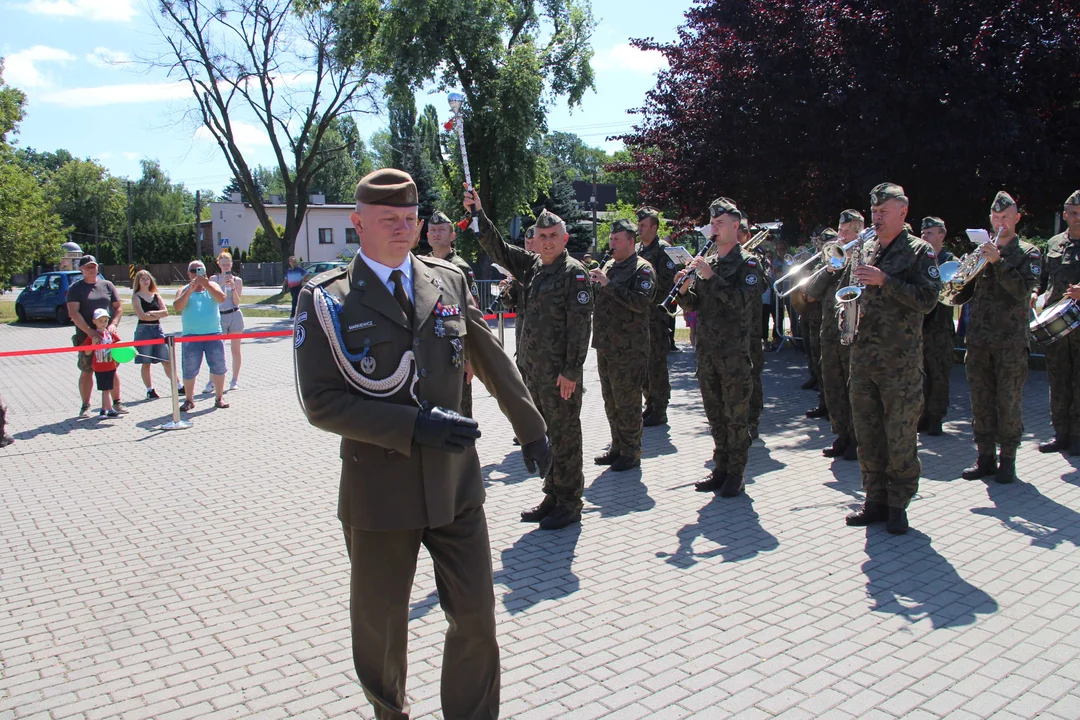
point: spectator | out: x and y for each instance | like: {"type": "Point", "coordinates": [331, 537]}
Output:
{"type": "Point", "coordinates": [150, 309]}
{"type": "Point", "coordinates": [83, 298]}
{"type": "Point", "coordinates": [198, 303]}
{"type": "Point", "coordinates": [232, 319]}
{"type": "Point", "coordinates": [294, 281]}
{"type": "Point", "coordinates": [5, 439]}
{"type": "Point", "coordinates": [102, 362]}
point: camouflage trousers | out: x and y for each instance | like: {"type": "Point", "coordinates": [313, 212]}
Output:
{"type": "Point", "coordinates": [566, 481]}
{"type": "Point", "coordinates": [621, 376]}
{"type": "Point", "coordinates": [886, 401]}
{"type": "Point", "coordinates": [757, 396]}
{"type": "Point", "coordinates": [996, 375]}
{"type": "Point", "coordinates": [835, 363]}
{"type": "Point", "coordinates": [657, 387]}
{"type": "Point", "coordinates": [3, 418]}
{"type": "Point", "coordinates": [812, 333]}
{"type": "Point", "coordinates": [938, 360]}
{"type": "Point", "coordinates": [726, 386]}
{"type": "Point", "coordinates": [1063, 373]}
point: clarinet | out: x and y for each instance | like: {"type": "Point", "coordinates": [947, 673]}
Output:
{"type": "Point", "coordinates": [496, 298]}
{"type": "Point", "coordinates": [671, 302]}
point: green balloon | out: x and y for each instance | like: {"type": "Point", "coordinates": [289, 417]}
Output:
{"type": "Point", "coordinates": [123, 354]}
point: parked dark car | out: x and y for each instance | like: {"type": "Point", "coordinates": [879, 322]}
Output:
{"type": "Point", "coordinates": [46, 297]}
{"type": "Point", "coordinates": [312, 269]}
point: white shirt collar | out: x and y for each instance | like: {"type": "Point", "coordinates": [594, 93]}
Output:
{"type": "Point", "coordinates": [384, 271]}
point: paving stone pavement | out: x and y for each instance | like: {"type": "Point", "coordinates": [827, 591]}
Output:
{"type": "Point", "coordinates": [202, 573]}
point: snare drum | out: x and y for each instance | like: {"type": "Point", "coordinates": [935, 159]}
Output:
{"type": "Point", "coordinates": [1056, 321]}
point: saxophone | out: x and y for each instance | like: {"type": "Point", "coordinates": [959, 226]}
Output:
{"type": "Point", "coordinates": [848, 307]}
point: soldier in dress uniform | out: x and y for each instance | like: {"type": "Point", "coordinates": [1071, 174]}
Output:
{"type": "Point", "coordinates": [939, 339]}
{"type": "Point", "coordinates": [997, 342]}
{"type": "Point", "coordinates": [555, 308]}
{"type": "Point", "coordinates": [1060, 278]}
{"type": "Point", "coordinates": [650, 248]}
{"type": "Point", "coordinates": [440, 232]}
{"type": "Point", "coordinates": [380, 350]}
{"type": "Point", "coordinates": [727, 285]}
{"type": "Point", "coordinates": [757, 338]}
{"type": "Point", "coordinates": [901, 284]}
{"type": "Point", "coordinates": [625, 288]}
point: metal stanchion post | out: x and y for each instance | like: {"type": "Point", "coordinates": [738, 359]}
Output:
{"type": "Point", "coordinates": [176, 423]}
{"type": "Point", "coordinates": [501, 324]}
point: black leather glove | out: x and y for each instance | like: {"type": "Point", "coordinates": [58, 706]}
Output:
{"type": "Point", "coordinates": [537, 454]}
{"type": "Point", "coordinates": [445, 430]}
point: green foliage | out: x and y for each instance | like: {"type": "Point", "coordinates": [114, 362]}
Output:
{"type": "Point", "coordinates": [346, 161]}
{"type": "Point", "coordinates": [627, 182]}
{"type": "Point", "coordinates": [263, 248]}
{"type": "Point", "coordinates": [12, 103]}
{"type": "Point", "coordinates": [29, 231]}
{"type": "Point", "coordinates": [156, 200]}
{"type": "Point", "coordinates": [162, 243]}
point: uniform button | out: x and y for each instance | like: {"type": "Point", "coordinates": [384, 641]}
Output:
{"type": "Point", "coordinates": [354, 459]}
{"type": "Point", "coordinates": [416, 342]}
{"type": "Point", "coordinates": [423, 372]}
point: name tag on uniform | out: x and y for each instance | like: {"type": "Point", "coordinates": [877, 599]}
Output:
{"type": "Point", "coordinates": [361, 326]}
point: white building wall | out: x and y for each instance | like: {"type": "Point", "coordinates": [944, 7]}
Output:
{"type": "Point", "coordinates": [236, 223]}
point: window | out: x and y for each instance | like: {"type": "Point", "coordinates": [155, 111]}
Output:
{"type": "Point", "coordinates": [351, 237]}
{"type": "Point", "coordinates": [326, 236]}
{"type": "Point", "coordinates": [54, 283]}
{"type": "Point", "coordinates": [38, 283]}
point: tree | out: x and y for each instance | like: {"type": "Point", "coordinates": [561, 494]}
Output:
{"type": "Point", "coordinates": [92, 203]}
{"type": "Point", "coordinates": [798, 109]}
{"type": "Point", "coordinates": [263, 248]}
{"type": "Point", "coordinates": [511, 60]}
{"type": "Point", "coordinates": [271, 62]}
{"type": "Point", "coordinates": [155, 200]}
{"type": "Point", "coordinates": [338, 177]}
{"type": "Point", "coordinates": [12, 102]}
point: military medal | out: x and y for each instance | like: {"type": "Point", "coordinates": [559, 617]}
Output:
{"type": "Point", "coordinates": [459, 353]}
{"type": "Point", "coordinates": [440, 330]}
{"type": "Point", "coordinates": [367, 365]}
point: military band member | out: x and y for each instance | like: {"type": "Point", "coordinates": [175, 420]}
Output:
{"type": "Point", "coordinates": [901, 284]}
{"type": "Point", "coordinates": [657, 389]}
{"type": "Point", "coordinates": [440, 233]}
{"type": "Point", "coordinates": [757, 338]}
{"type": "Point", "coordinates": [555, 309]}
{"type": "Point", "coordinates": [835, 356]}
{"type": "Point", "coordinates": [1060, 278]}
{"type": "Point", "coordinates": [624, 291]}
{"type": "Point", "coordinates": [997, 342]}
{"type": "Point", "coordinates": [939, 339]}
{"type": "Point", "coordinates": [810, 328]}
{"type": "Point", "coordinates": [410, 475]}
{"type": "Point", "coordinates": [727, 285]}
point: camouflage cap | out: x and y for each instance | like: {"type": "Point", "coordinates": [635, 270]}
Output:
{"type": "Point", "coordinates": [1073, 199]}
{"type": "Point", "coordinates": [1002, 201]}
{"type": "Point", "coordinates": [646, 211]}
{"type": "Point", "coordinates": [724, 206]}
{"type": "Point", "coordinates": [547, 219]}
{"type": "Point", "coordinates": [623, 225]}
{"type": "Point", "coordinates": [439, 218]}
{"type": "Point", "coordinates": [530, 232]}
{"type": "Point", "coordinates": [828, 234]}
{"type": "Point", "coordinates": [744, 225]}
{"type": "Point", "coordinates": [388, 186]}
{"type": "Point", "coordinates": [932, 222]}
{"type": "Point", "coordinates": [886, 191]}
{"type": "Point", "coordinates": [850, 215]}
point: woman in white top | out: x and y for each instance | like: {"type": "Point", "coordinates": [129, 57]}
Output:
{"type": "Point", "coordinates": [232, 319]}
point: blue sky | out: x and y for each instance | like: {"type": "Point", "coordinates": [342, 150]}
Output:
{"type": "Point", "coordinates": [78, 62]}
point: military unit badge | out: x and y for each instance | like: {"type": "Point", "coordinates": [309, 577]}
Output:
{"type": "Point", "coordinates": [933, 272]}
{"type": "Point", "coordinates": [583, 297]}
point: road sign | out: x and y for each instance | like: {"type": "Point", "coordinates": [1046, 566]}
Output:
{"type": "Point", "coordinates": [224, 242]}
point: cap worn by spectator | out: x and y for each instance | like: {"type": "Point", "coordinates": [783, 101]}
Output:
{"type": "Point", "coordinates": [87, 260]}
{"type": "Point", "coordinates": [101, 313]}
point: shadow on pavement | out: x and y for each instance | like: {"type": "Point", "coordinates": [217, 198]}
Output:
{"type": "Point", "coordinates": [511, 465]}
{"type": "Point", "coordinates": [1022, 508]}
{"type": "Point", "coordinates": [730, 523]}
{"type": "Point", "coordinates": [538, 567]}
{"type": "Point", "coordinates": [619, 493]}
{"type": "Point", "coordinates": [905, 576]}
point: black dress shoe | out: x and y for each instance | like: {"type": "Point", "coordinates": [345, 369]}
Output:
{"type": "Point", "coordinates": [733, 485]}
{"type": "Point", "coordinates": [625, 463]}
{"type": "Point", "coordinates": [559, 518]}
{"type": "Point", "coordinates": [809, 384]}
{"type": "Point", "coordinates": [516, 441]}
{"type": "Point", "coordinates": [837, 448]}
{"type": "Point", "coordinates": [897, 523]}
{"type": "Point", "coordinates": [541, 511]}
{"type": "Point", "coordinates": [851, 452]}
{"type": "Point", "coordinates": [870, 512]}
{"type": "Point", "coordinates": [934, 429]}
{"type": "Point", "coordinates": [1006, 470]}
{"type": "Point", "coordinates": [1054, 444]}
{"type": "Point", "coordinates": [609, 456]}
{"type": "Point", "coordinates": [712, 483]}
{"type": "Point", "coordinates": [819, 412]}
{"type": "Point", "coordinates": [654, 418]}
{"type": "Point", "coordinates": [984, 465]}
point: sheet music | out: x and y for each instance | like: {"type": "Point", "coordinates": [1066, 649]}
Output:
{"type": "Point", "coordinates": [978, 235]}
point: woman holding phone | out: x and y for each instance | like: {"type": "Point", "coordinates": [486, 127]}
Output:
{"type": "Point", "coordinates": [232, 318]}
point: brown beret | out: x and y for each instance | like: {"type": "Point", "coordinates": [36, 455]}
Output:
{"type": "Point", "coordinates": [388, 186]}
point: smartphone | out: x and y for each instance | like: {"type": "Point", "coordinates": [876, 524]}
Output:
{"type": "Point", "coordinates": [201, 272]}
{"type": "Point", "coordinates": [228, 275]}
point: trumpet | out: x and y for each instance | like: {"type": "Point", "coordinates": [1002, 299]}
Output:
{"type": "Point", "coordinates": [753, 243]}
{"type": "Point", "coordinates": [836, 256]}
{"type": "Point", "coordinates": [790, 260]}
{"type": "Point", "coordinates": [672, 300]}
{"type": "Point", "coordinates": [848, 311]}
{"type": "Point", "coordinates": [956, 276]}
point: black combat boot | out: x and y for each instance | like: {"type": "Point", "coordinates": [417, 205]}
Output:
{"type": "Point", "coordinates": [870, 512]}
{"type": "Point", "coordinates": [1006, 472]}
{"type": "Point", "coordinates": [560, 517]}
{"type": "Point", "coordinates": [714, 482]}
{"type": "Point", "coordinates": [624, 462]}
{"type": "Point", "coordinates": [646, 412]}
{"type": "Point", "coordinates": [541, 511]}
{"type": "Point", "coordinates": [984, 465]}
{"type": "Point", "coordinates": [819, 412]}
{"type": "Point", "coordinates": [1074, 445]}
{"type": "Point", "coordinates": [655, 418]}
{"type": "Point", "coordinates": [733, 486]}
{"type": "Point", "coordinates": [924, 422]}
{"type": "Point", "coordinates": [754, 434]}
{"type": "Point", "coordinates": [933, 427]}
{"type": "Point", "coordinates": [851, 453]}
{"type": "Point", "coordinates": [609, 456]}
{"type": "Point", "coordinates": [897, 524]}
{"type": "Point", "coordinates": [809, 384]}
{"type": "Point", "coordinates": [1059, 442]}
{"type": "Point", "coordinates": [837, 449]}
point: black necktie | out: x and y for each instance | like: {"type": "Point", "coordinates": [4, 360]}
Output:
{"type": "Point", "coordinates": [398, 278]}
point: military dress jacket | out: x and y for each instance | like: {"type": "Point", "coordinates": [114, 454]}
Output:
{"type": "Point", "coordinates": [1060, 268]}
{"type": "Point", "coordinates": [939, 321]}
{"type": "Point", "coordinates": [890, 329]}
{"type": "Point", "coordinates": [554, 311]}
{"type": "Point", "coordinates": [388, 482]}
{"type": "Point", "coordinates": [724, 302]}
{"type": "Point", "coordinates": [623, 307]}
{"type": "Point", "coordinates": [1000, 296]}
{"type": "Point", "coordinates": [463, 265]}
{"type": "Point", "coordinates": [665, 269]}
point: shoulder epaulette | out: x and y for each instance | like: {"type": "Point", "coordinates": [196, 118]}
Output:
{"type": "Point", "coordinates": [325, 278]}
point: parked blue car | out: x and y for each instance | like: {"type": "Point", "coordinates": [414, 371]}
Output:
{"type": "Point", "coordinates": [46, 297]}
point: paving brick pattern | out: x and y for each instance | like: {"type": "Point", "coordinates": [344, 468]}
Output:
{"type": "Point", "coordinates": [202, 573]}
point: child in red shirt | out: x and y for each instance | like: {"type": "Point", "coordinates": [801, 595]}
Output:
{"type": "Point", "coordinates": [102, 362]}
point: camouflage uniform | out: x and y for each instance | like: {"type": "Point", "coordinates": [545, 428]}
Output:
{"type": "Point", "coordinates": [621, 339]}
{"type": "Point", "coordinates": [757, 359]}
{"type": "Point", "coordinates": [3, 421]}
{"type": "Point", "coordinates": [997, 346]}
{"type": "Point", "coordinates": [886, 366]}
{"type": "Point", "coordinates": [810, 327]}
{"type": "Point", "coordinates": [1061, 269]}
{"type": "Point", "coordinates": [939, 339]}
{"type": "Point", "coordinates": [554, 314]}
{"type": "Point", "coordinates": [657, 389]}
{"type": "Point", "coordinates": [724, 306]}
{"type": "Point", "coordinates": [835, 357]}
